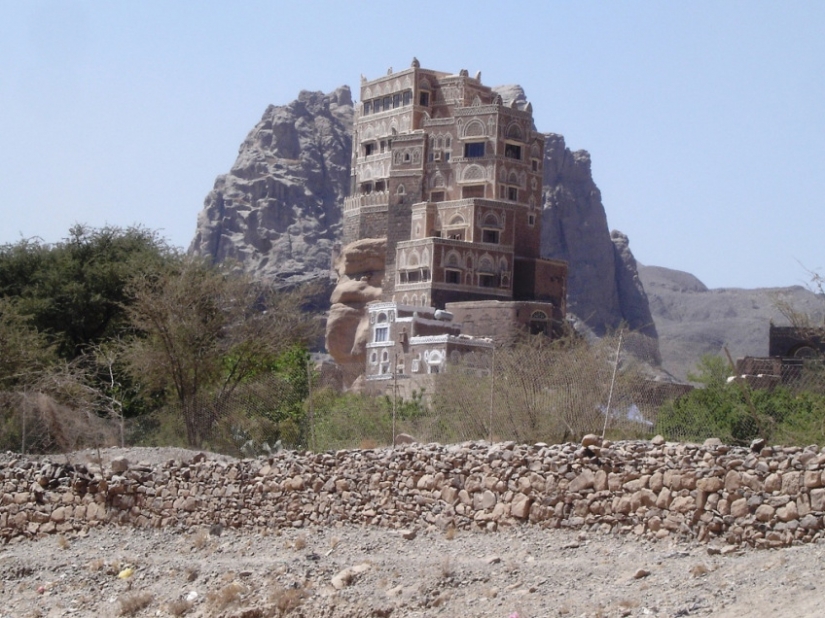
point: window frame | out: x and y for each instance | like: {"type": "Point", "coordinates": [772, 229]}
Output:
{"type": "Point", "coordinates": [511, 149]}
{"type": "Point", "coordinates": [452, 276]}
{"type": "Point", "coordinates": [471, 150]}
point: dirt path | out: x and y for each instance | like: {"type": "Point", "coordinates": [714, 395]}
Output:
{"type": "Point", "coordinates": [523, 570]}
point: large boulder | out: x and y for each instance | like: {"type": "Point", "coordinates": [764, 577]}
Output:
{"type": "Point", "coordinates": [360, 270]}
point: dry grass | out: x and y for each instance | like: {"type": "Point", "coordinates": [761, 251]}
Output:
{"type": "Point", "coordinates": [286, 600]}
{"type": "Point", "coordinates": [62, 542]}
{"type": "Point", "coordinates": [228, 577]}
{"type": "Point", "coordinates": [201, 539]}
{"type": "Point", "coordinates": [97, 564]}
{"type": "Point", "coordinates": [179, 607]}
{"type": "Point", "coordinates": [446, 567]}
{"type": "Point", "coordinates": [132, 602]}
{"type": "Point", "coordinates": [699, 570]}
{"type": "Point", "coordinates": [227, 595]}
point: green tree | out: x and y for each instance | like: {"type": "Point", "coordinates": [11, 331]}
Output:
{"type": "Point", "coordinates": [203, 332]}
{"type": "Point", "coordinates": [25, 353]}
{"type": "Point", "coordinates": [75, 290]}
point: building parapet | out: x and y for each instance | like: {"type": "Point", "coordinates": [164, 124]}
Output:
{"type": "Point", "coordinates": [376, 198]}
{"type": "Point", "coordinates": [438, 122]}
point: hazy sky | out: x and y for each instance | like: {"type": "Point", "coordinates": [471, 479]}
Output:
{"type": "Point", "coordinates": [705, 121]}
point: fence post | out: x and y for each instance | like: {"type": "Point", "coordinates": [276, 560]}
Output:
{"type": "Point", "coordinates": [612, 384]}
{"type": "Point", "coordinates": [492, 389]}
{"type": "Point", "coordinates": [311, 407]}
{"type": "Point", "coordinates": [23, 426]}
{"type": "Point", "coordinates": [394, 393]}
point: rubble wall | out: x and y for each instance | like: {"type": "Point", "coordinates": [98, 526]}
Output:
{"type": "Point", "coordinates": [767, 499]}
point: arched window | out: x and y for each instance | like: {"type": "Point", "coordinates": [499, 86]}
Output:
{"type": "Point", "coordinates": [435, 361]}
{"type": "Point", "coordinates": [490, 232]}
{"type": "Point", "coordinates": [474, 128]}
{"type": "Point", "coordinates": [539, 323]}
{"type": "Point", "coordinates": [514, 132]}
{"type": "Point", "coordinates": [381, 332]}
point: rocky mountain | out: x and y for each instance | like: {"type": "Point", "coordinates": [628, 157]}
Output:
{"type": "Point", "coordinates": [278, 211]}
{"type": "Point", "coordinates": [693, 320]}
{"type": "Point", "coordinates": [604, 289]}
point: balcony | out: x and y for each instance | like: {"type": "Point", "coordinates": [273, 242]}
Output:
{"type": "Point", "coordinates": [374, 199]}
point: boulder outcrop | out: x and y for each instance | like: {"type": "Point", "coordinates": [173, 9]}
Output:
{"type": "Point", "coordinates": [360, 270]}
{"type": "Point", "coordinates": [278, 210]}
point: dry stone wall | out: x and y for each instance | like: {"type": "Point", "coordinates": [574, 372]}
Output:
{"type": "Point", "coordinates": [654, 489]}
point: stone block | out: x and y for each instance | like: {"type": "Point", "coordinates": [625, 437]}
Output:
{"type": "Point", "coordinates": [818, 499]}
{"type": "Point", "coordinates": [710, 484]}
{"type": "Point", "coordinates": [520, 506]}
{"type": "Point", "coordinates": [812, 479]}
{"type": "Point", "coordinates": [764, 513]}
{"type": "Point", "coordinates": [733, 481]}
{"type": "Point", "coordinates": [585, 480]}
{"type": "Point", "coordinates": [791, 482]}
{"type": "Point", "coordinates": [739, 508]}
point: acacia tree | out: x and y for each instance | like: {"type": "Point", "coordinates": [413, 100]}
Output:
{"type": "Point", "coordinates": [202, 332]}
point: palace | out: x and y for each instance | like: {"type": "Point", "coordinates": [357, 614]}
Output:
{"type": "Point", "coordinates": [451, 175]}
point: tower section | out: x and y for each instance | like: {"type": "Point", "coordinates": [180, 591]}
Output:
{"type": "Point", "coordinates": [451, 175]}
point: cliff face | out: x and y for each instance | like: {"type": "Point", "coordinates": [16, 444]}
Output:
{"type": "Point", "coordinates": [604, 289]}
{"type": "Point", "coordinates": [278, 210]}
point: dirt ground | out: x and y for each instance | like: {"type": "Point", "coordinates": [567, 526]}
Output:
{"type": "Point", "coordinates": [355, 571]}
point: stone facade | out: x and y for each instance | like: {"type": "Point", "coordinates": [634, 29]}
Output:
{"type": "Point", "coordinates": [452, 178]}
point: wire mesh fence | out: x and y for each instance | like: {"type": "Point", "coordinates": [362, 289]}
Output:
{"type": "Point", "coordinates": [542, 391]}
{"type": "Point", "coordinates": [535, 391]}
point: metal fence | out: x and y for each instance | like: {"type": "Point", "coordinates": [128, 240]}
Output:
{"type": "Point", "coordinates": [534, 391]}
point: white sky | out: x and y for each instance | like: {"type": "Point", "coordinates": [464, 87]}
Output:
{"type": "Point", "coordinates": [705, 120]}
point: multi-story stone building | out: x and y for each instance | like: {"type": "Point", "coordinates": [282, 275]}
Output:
{"type": "Point", "coordinates": [452, 177]}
